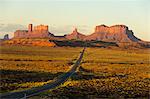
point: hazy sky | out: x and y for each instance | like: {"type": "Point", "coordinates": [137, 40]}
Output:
{"type": "Point", "coordinates": [64, 15]}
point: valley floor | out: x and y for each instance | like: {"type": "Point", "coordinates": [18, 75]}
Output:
{"type": "Point", "coordinates": [104, 73]}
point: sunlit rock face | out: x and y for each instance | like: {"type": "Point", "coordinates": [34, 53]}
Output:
{"type": "Point", "coordinates": [29, 42]}
{"type": "Point", "coordinates": [40, 31]}
{"type": "Point", "coordinates": [75, 35]}
{"type": "Point", "coordinates": [116, 33]}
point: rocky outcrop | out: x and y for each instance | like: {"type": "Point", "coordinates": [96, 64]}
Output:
{"type": "Point", "coordinates": [40, 31]}
{"type": "Point", "coordinates": [75, 35]}
{"type": "Point", "coordinates": [116, 33]}
{"type": "Point", "coordinates": [6, 37]}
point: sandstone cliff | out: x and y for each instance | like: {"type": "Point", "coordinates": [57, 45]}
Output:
{"type": "Point", "coordinates": [75, 35]}
{"type": "Point", "coordinates": [116, 33]}
{"type": "Point", "coordinates": [40, 31]}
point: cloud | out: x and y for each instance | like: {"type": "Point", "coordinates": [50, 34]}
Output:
{"type": "Point", "coordinates": [10, 29]}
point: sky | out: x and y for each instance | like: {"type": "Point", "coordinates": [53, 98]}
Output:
{"type": "Point", "coordinates": [62, 16]}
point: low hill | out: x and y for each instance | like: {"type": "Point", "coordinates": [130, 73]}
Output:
{"type": "Point", "coordinates": [28, 42]}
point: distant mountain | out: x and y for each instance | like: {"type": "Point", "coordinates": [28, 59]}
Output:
{"type": "Point", "coordinates": [75, 35]}
{"type": "Point", "coordinates": [116, 33]}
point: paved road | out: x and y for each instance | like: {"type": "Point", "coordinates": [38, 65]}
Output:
{"type": "Point", "coordinates": [34, 91]}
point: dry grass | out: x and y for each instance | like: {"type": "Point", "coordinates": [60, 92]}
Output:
{"type": "Point", "coordinates": [104, 73]}
{"type": "Point", "coordinates": [22, 64]}
{"type": "Point", "coordinates": [109, 73]}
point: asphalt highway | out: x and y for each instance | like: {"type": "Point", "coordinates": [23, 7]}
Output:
{"type": "Point", "coordinates": [36, 90]}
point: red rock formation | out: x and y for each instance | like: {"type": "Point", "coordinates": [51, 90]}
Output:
{"type": "Point", "coordinates": [30, 28]}
{"type": "Point", "coordinates": [40, 31]}
{"type": "Point", "coordinates": [75, 35]}
{"type": "Point", "coordinates": [41, 28]}
{"type": "Point", "coordinates": [116, 33]}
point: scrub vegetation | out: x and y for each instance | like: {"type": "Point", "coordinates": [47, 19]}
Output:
{"type": "Point", "coordinates": [103, 73]}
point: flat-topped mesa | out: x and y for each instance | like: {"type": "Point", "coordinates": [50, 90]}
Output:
{"type": "Point", "coordinates": [116, 33]}
{"type": "Point", "coordinates": [112, 29]}
{"type": "Point", "coordinates": [101, 28]}
{"type": "Point", "coordinates": [40, 31]}
{"type": "Point", "coordinates": [75, 35]}
{"type": "Point", "coordinates": [41, 28]}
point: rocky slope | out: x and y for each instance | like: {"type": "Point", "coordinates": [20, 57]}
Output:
{"type": "Point", "coordinates": [28, 42]}
{"type": "Point", "coordinates": [116, 33]}
{"type": "Point", "coordinates": [75, 35]}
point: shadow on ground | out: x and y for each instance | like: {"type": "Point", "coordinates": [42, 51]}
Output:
{"type": "Point", "coordinates": [11, 78]}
